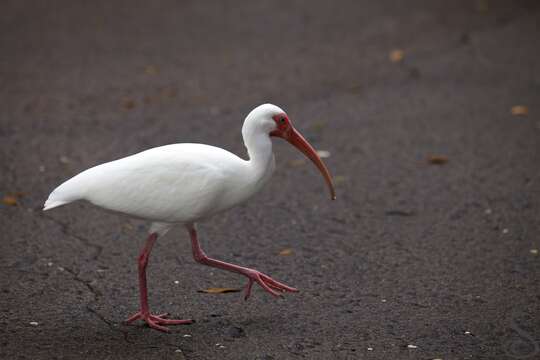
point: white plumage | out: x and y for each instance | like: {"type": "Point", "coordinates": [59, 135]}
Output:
{"type": "Point", "coordinates": [169, 184]}
{"type": "Point", "coordinates": [184, 183]}
{"type": "Point", "coordinates": [179, 183]}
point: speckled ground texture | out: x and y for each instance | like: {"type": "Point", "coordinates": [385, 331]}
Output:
{"type": "Point", "coordinates": [434, 256]}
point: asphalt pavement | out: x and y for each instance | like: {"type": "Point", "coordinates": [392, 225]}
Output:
{"type": "Point", "coordinates": [429, 112]}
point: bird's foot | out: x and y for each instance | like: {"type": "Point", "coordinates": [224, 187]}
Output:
{"type": "Point", "coordinates": [274, 287]}
{"type": "Point", "coordinates": [156, 321]}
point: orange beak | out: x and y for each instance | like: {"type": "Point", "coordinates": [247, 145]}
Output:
{"type": "Point", "coordinates": [297, 140]}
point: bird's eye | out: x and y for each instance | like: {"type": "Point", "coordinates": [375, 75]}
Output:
{"type": "Point", "coordinates": [282, 120]}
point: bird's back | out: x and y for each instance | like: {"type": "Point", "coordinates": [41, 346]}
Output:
{"type": "Point", "coordinates": [172, 183]}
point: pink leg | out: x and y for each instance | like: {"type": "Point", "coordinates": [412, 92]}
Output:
{"type": "Point", "coordinates": [154, 321]}
{"type": "Point", "coordinates": [265, 281]}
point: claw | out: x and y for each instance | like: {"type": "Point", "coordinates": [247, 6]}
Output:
{"type": "Point", "coordinates": [267, 283]}
{"type": "Point", "coordinates": [154, 321]}
{"type": "Point", "coordinates": [278, 285]}
{"type": "Point", "coordinates": [248, 289]}
{"type": "Point", "coordinates": [154, 325]}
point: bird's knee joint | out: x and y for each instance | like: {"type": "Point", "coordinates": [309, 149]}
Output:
{"type": "Point", "coordinates": [200, 257]}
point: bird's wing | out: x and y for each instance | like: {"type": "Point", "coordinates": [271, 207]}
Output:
{"type": "Point", "coordinates": [176, 183]}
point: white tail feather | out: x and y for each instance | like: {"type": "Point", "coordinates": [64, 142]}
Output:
{"type": "Point", "coordinates": [51, 204]}
{"type": "Point", "coordinates": [67, 192]}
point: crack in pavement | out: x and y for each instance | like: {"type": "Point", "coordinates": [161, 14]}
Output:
{"type": "Point", "coordinates": [98, 249]}
{"type": "Point", "coordinates": [109, 323]}
{"type": "Point", "coordinates": [86, 283]}
{"type": "Point", "coordinates": [96, 293]}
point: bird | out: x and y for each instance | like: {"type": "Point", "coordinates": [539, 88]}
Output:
{"type": "Point", "coordinates": [183, 184]}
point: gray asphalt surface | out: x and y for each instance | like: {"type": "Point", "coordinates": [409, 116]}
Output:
{"type": "Point", "coordinates": [440, 257]}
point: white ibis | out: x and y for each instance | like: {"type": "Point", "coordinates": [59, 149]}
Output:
{"type": "Point", "coordinates": [185, 183]}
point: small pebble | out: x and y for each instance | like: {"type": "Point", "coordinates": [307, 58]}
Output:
{"type": "Point", "coordinates": [49, 263]}
{"type": "Point", "coordinates": [41, 168]}
{"type": "Point", "coordinates": [187, 335]}
{"type": "Point", "coordinates": [64, 159]}
{"type": "Point", "coordinates": [34, 323]}
{"type": "Point", "coordinates": [410, 346]}
{"type": "Point", "coordinates": [505, 231]}
{"type": "Point", "coordinates": [369, 349]}
{"type": "Point", "coordinates": [383, 300]}
{"type": "Point", "coordinates": [60, 268]}
{"type": "Point", "coordinates": [178, 350]}
{"type": "Point", "coordinates": [534, 251]}
{"type": "Point", "coordinates": [323, 154]}
{"type": "Point", "coordinates": [176, 282]}
{"type": "Point", "coordinates": [488, 211]}
{"type": "Point", "coordinates": [467, 333]}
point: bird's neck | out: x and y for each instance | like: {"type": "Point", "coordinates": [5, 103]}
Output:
{"type": "Point", "coordinates": [261, 157]}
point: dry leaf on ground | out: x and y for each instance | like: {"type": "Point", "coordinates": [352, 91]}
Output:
{"type": "Point", "coordinates": [12, 199]}
{"type": "Point", "coordinates": [437, 159]}
{"type": "Point", "coordinates": [339, 179]}
{"type": "Point", "coordinates": [482, 6]}
{"type": "Point", "coordinates": [9, 200]}
{"type": "Point", "coordinates": [396, 55]}
{"type": "Point", "coordinates": [520, 110]}
{"type": "Point", "coordinates": [219, 290]}
{"type": "Point", "coordinates": [150, 70]}
{"type": "Point", "coordinates": [128, 104]}
{"type": "Point", "coordinates": [286, 252]}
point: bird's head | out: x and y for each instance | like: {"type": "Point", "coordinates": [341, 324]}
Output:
{"type": "Point", "coordinates": [273, 121]}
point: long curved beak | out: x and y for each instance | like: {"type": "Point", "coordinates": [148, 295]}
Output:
{"type": "Point", "coordinates": [298, 141]}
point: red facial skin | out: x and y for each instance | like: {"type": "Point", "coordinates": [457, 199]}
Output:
{"type": "Point", "coordinates": [286, 131]}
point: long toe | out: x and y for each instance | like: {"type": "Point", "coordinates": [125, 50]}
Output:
{"type": "Point", "coordinates": [134, 317]}
{"type": "Point", "coordinates": [278, 285]}
{"type": "Point", "coordinates": [272, 286]}
{"type": "Point", "coordinates": [154, 325]}
{"type": "Point", "coordinates": [160, 319]}
{"type": "Point", "coordinates": [155, 321]}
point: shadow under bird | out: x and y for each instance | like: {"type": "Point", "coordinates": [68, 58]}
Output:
{"type": "Point", "coordinates": [184, 184]}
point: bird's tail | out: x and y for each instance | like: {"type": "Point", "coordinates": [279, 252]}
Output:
{"type": "Point", "coordinates": [51, 203]}
{"type": "Point", "coordinates": [67, 192]}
